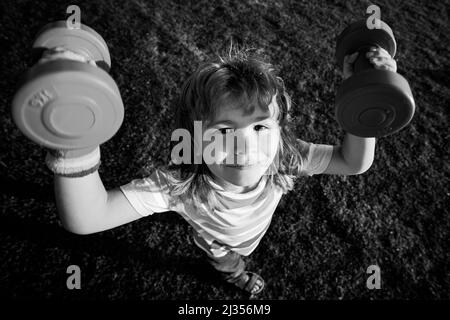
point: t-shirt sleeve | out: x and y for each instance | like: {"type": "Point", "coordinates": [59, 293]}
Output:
{"type": "Point", "coordinates": [148, 195]}
{"type": "Point", "coordinates": [317, 157]}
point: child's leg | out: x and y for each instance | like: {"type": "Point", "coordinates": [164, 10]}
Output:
{"type": "Point", "coordinates": [230, 265]}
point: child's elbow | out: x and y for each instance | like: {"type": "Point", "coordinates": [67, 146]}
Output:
{"type": "Point", "coordinates": [361, 171]}
{"type": "Point", "coordinates": [362, 168]}
{"type": "Point", "coordinates": [77, 229]}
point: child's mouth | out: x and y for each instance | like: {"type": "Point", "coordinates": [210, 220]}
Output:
{"type": "Point", "coordinates": [241, 167]}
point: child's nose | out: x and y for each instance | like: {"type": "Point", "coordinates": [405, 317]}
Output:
{"type": "Point", "coordinates": [245, 146]}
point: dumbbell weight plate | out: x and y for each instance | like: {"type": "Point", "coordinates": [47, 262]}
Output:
{"type": "Point", "coordinates": [375, 105]}
{"type": "Point", "coordinates": [65, 104]}
{"type": "Point", "coordinates": [85, 41]}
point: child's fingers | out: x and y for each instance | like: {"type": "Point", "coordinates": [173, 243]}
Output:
{"type": "Point", "coordinates": [381, 59]}
{"type": "Point", "coordinates": [390, 65]}
{"type": "Point", "coordinates": [351, 58]}
{"type": "Point", "coordinates": [348, 64]}
{"type": "Point", "coordinates": [377, 52]}
{"type": "Point", "coordinates": [384, 63]}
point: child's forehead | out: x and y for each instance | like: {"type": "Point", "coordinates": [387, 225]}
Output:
{"type": "Point", "coordinates": [236, 112]}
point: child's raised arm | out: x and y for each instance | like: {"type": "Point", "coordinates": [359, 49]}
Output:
{"type": "Point", "coordinates": [85, 207]}
{"type": "Point", "coordinates": [356, 154]}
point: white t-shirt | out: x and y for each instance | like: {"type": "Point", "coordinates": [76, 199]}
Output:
{"type": "Point", "coordinates": [241, 219]}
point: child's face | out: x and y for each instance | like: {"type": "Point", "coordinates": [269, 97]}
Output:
{"type": "Point", "coordinates": [242, 164]}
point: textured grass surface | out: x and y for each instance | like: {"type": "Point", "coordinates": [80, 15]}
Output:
{"type": "Point", "coordinates": [324, 234]}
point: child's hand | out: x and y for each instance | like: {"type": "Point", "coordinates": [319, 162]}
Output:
{"type": "Point", "coordinates": [380, 58]}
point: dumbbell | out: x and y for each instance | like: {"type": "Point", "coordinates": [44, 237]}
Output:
{"type": "Point", "coordinates": [65, 104]}
{"type": "Point", "coordinates": [371, 103]}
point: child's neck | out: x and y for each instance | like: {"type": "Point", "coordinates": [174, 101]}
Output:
{"type": "Point", "coordinates": [227, 186]}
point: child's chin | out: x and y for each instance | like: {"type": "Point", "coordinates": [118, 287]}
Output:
{"type": "Point", "coordinates": [244, 179]}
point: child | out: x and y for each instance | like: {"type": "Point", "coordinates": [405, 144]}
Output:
{"type": "Point", "coordinates": [229, 205]}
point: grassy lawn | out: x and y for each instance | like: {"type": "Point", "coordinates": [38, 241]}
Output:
{"type": "Point", "coordinates": [324, 234]}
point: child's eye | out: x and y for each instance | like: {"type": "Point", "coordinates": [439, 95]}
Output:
{"type": "Point", "coordinates": [225, 130]}
{"type": "Point", "coordinates": [260, 127]}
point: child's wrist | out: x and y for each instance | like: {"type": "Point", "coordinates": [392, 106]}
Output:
{"type": "Point", "coordinates": [70, 164]}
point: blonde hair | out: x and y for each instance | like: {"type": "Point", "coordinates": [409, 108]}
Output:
{"type": "Point", "coordinates": [240, 76]}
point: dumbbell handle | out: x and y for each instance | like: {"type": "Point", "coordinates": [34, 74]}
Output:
{"type": "Point", "coordinates": [73, 153]}
{"type": "Point", "coordinates": [362, 62]}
